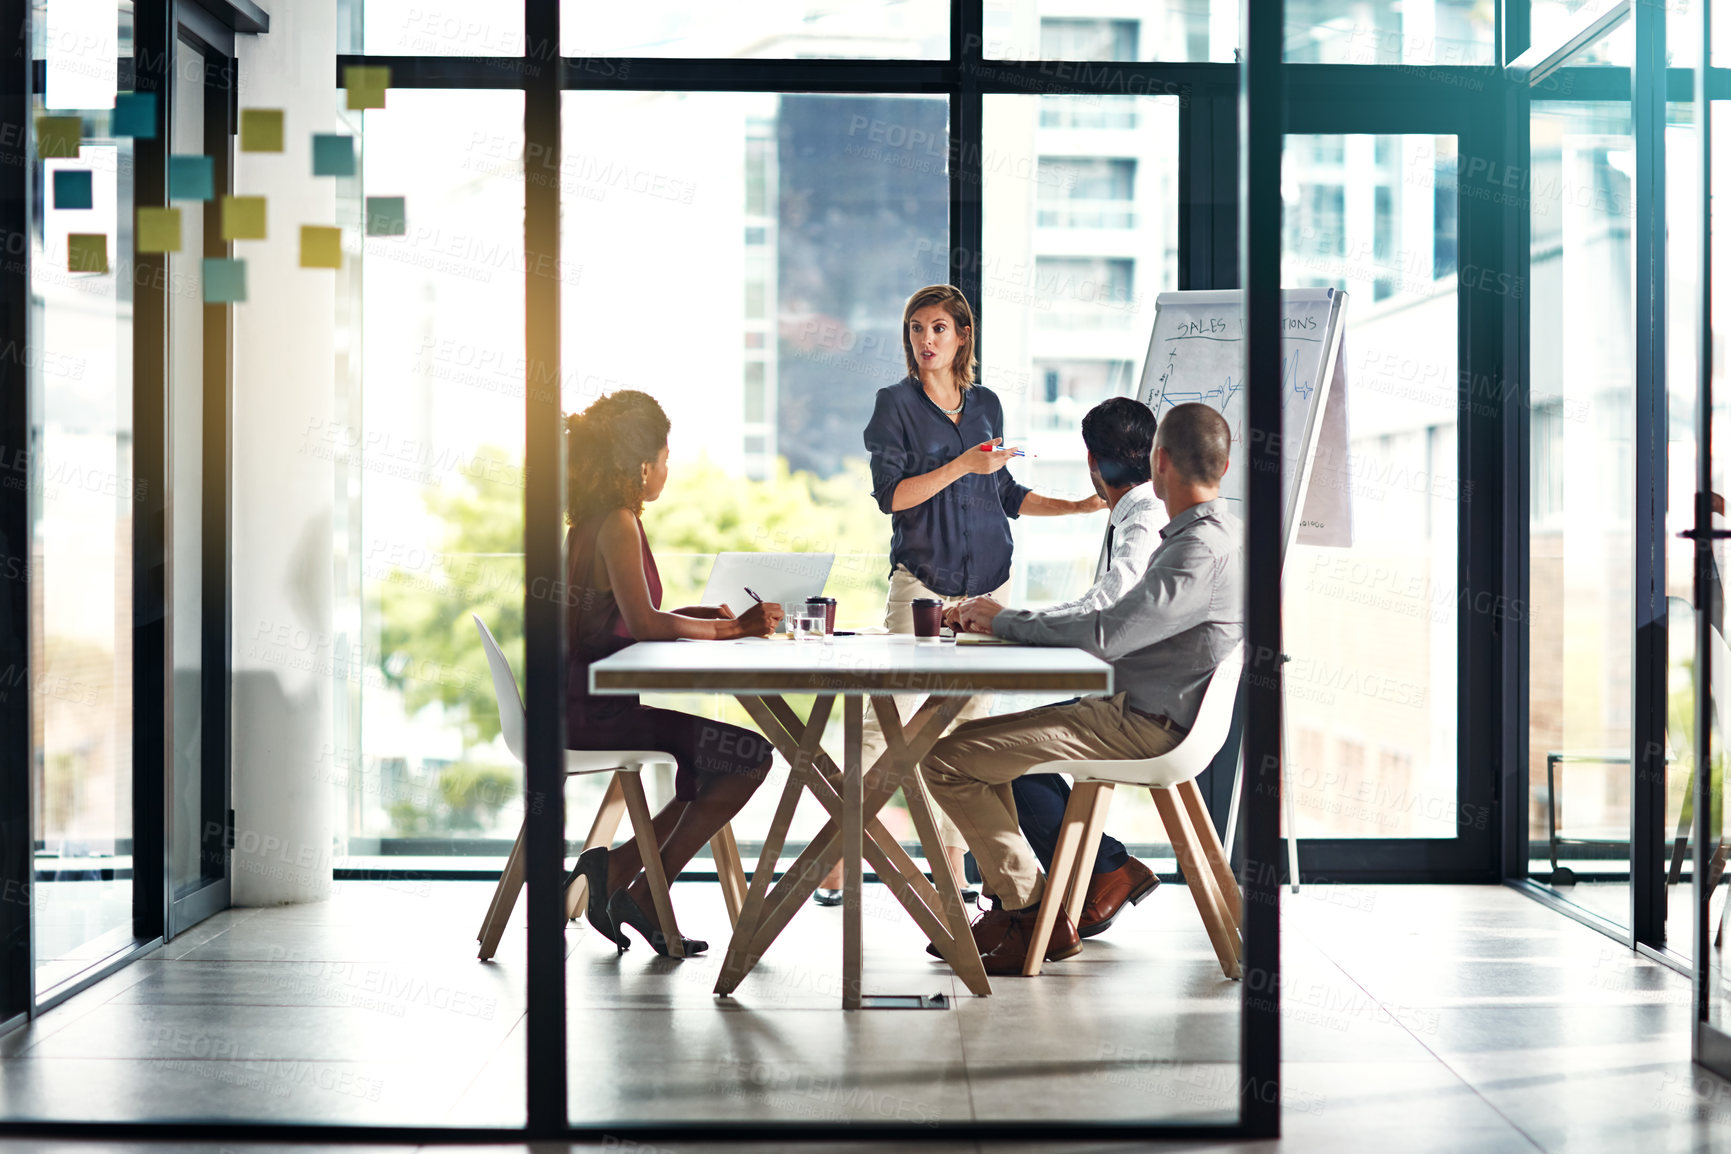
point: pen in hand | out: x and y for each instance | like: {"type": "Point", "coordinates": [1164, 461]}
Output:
{"type": "Point", "coordinates": [754, 596]}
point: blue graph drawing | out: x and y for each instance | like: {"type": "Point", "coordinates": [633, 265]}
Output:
{"type": "Point", "coordinates": [1289, 376]}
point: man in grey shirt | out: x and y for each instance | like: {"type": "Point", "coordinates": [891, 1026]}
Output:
{"type": "Point", "coordinates": [1164, 638]}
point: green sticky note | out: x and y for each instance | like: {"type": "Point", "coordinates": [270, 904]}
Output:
{"type": "Point", "coordinates": [243, 218]}
{"type": "Point", "coordinates": [87, 252]}
{"type": "Point", "coordinates": [158, 230]}
{"type": "Point", "coordinates": [321, 246]}
{"type": "Point", "coordinates": [134, 115]}
{"type": "Point", "coordinates": [366, 85]}
{"type": "Point", "coordinates": [333, 154]}
{"type": "Point", "coordinates": [386, 216]}
{"type": "Point", "coordinates": [72, 188]}
{"type": "Point", "coordinates": [58, 136]}
{"type": "Point", "coordinates": [224, 281]}
{"type": "Point", "coordinates": [261, 130]}
{"type": "Point", "coordinates": [191, 178]}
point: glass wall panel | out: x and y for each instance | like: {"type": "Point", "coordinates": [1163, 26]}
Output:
{"type": "Point", "coordinates": [1581, 564]}
{"type": "Point", "coordinates": [1441, 32]}
{"type": "Point", "coordinates": [837, 29]}
{"type": "Point", "coordinates": [435, 454]}
{"type": "Point", "coordinates": [1081, 236]}
{"type": "Point", "coordinates": [1372, 629]}
{"type": "Point", "coordinates": [82, 503]}
{"type": "Point", "coordinates": [801, 224]}
{"type": "Point", "coordinates": [435, 28]}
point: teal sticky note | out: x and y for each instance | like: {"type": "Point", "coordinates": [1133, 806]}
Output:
{"type": "Point", "coordinates": [224, 281]}
{"type": "Point", "coordinates": [333, 154]}
{"type": "Point", "coordinates": [134, 115]}
{"type": "Point", "coordinates": [386, 216]}
{"type": "Point", "coordinates": [71, 189]}
{"type": "Point", "coordinates": [191, 178]}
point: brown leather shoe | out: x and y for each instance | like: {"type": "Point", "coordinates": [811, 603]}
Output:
{"type": "Point", "coordinates": [1011, 952]}
{"type": "Point", "coordinates": [988, 928]}
{"type": "Point", "coordinates": [1108, 892]}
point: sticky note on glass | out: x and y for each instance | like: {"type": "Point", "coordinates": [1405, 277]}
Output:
{"type": "Point", "coordinates": [243, 218]}
{"type": "Point", "coordinates": [158, 230]}
{"type": "Point", "coordinates": [224, 281]}
{"type": "Point", "coordinates": [333, 154]}
{"type": "Point", "coordinates": [261, 130]}
{"type": "Point", "coordinates": [366, 85]}
{"type": "Point", "coordinates": [386, 216]}
{"type": "Point", "coordinates": [191, 178]}
{"type": "Point", "coordinates": [321, 246]}
{"type": "Point", "coordinates": [87, 252]}
{"type": "Point", "coordinates": [72, 189]}
{"type": "Point", "coordinates": [134, 115]}
{"type": "Point", "coordinates": [58, 136]}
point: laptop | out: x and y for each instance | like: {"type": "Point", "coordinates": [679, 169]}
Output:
{"type": "Point", "coordinates": [780, 577]}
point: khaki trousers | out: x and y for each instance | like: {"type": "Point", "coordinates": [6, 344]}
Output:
{"type": "Point", "coordinates": [969, 774]}
{"type": "Point", "coordinates": [899, 618]}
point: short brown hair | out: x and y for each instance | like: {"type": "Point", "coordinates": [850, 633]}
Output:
{"type": "Point", "coordinates": [954, 303]}
{"type": "Point", "coordinates": [1198, 440]}
{"type": "Point", "coordinates": [606, 447]}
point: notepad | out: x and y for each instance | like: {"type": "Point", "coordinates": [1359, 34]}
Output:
{"type": "Point", "coordinates": [980, 639]}
{"type": "Point", "coordinates": [386, 216]}
{"type": "Point", "coordinates": [134, 115]}
{"type": "Point", "coordinates": [321, 246]}
{"type": "Point", "coordinates": [72, 189]}
{"type": "Point", "coordinates": [87, 252]}
{"type": "Point", "coordinates": [261, 130]}
{"type": "Point", "coordinates": [224, 281]}
{"type": "Point", "coordinates": [333, 154]}
{"type": "Point", "coordinates": [158, 230]}
{"type": "Point", "coordinates": [191, 178]}
{"type": "Point", "coordinates": [58, 136]}
{"type": "Point", "coordinates": [366, 85]}
{"type": "Point", "coordinates": [243, 218]}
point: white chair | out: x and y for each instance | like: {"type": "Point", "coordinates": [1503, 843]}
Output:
{"type": "Point", "coordinates": [1188, 825]}
{"type": "Point", "coordinates": [624, 794]}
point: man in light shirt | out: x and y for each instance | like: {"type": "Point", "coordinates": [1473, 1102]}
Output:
{"type": "Point", "coordinates": [1164, 636]}
{"type": "Point", "coordinates": [1119, 435]}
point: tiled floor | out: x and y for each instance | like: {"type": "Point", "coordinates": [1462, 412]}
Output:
{"type": "Point", "coordinates": [1416, 1018]}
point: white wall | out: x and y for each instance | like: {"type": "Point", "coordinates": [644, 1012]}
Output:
{"type": "Point", "coordinates": [284, 380]}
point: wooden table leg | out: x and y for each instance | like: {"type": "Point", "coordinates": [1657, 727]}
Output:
{"type": "Point", "coordinates": [740, 958]}
{"type": "Point", "coordinates": [852, 852]}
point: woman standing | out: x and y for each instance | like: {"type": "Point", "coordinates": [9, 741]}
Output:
{"type": "Point", "coordinates": [939, 470]}
{"type": "Point", "coordinates": [616, 453]}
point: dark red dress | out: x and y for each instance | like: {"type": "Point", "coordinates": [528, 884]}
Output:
{"type": "Point", "coordinates": [595, 629]}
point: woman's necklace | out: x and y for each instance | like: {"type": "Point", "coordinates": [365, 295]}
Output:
{"type": "Point", "coordinates": [949, 412]}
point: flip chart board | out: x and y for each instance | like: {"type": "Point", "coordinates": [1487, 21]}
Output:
{"type": "Point", "coordinates": [1196, 353]}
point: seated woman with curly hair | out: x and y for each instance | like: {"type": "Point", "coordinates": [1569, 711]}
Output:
{"type": "Point", "coordinates": [616, 452]}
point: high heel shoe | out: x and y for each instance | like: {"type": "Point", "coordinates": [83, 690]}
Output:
{"type": "Point", "coordinates": [592, 867]}
{"type": "Point", "coordinates": [625, 911]}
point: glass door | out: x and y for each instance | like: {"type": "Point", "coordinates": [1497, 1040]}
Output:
{"type": "Point", "coordinates": [197, 522]}
{"type": "Point", "coordinates": [82, 505]}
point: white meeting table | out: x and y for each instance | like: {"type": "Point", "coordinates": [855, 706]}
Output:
{"type": "Point", "coordinates": [759, 673]}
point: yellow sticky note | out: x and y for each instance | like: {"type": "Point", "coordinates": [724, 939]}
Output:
{"type": "Point", "coordinates": [87, 252]}
{"type": "Point", "coordinates": [321, 246]}
{"type": "Point", "coordinates": [261, 130]}
{"type": "Point", "coordinates": [158, 230]}
{"type": "Point", "coordinates": [366, 85]}
{"type": "Point", "coordinates": [243, 218]}
{"type": "Point", "coordinates": [58, 136]}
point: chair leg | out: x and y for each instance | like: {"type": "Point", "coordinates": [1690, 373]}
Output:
{"type": "Point", "coordinates": [601, 832]}
{"type": "Point", "coordinates": [1212, 850]}
{"type": "Point", "coordinates": [643, 829]}
{"type": "Point", "coordinates": [1061, 875]}
{"type": "Point", "coordinates": [1083, 875]}
{"type": "Point", "coordinates": [729, 871]}
{"type": "Point", "coordinates": [504, 898]}
{"type": "Point", "coordinates": [493, 902]}
{"type": "Point", "coordinates": [1200, 881]}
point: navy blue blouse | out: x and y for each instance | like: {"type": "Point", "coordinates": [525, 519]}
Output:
{"type": "Point", "coordinates": [957, 543]}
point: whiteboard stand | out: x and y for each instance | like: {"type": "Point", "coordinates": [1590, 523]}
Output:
{"type": "Point", "coordinates": [1285, 794]}
{"type": "Point", "coordinates": [1195, 353]}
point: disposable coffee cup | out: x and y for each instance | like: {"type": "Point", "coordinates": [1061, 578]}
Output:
{"type": "Point", "coordinates": [928, 616]}
{"type": "Point", "coordinates": [826, 606]}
